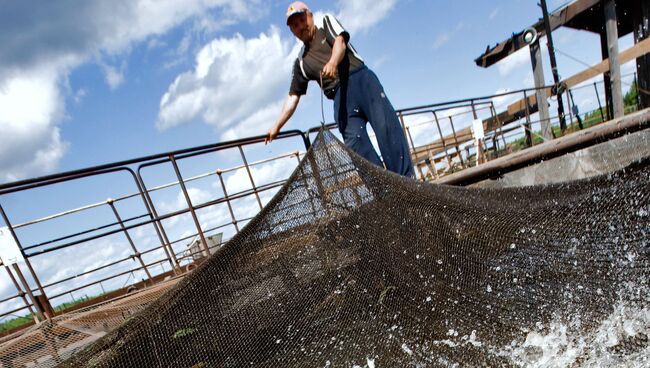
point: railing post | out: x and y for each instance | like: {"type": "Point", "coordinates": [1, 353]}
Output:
{"type": "Point", "coordinates": [569, 107]}
{"type": "Point", "coordinates": [136, 254]}
{"type": "Point", "coordinates": [600, 106]}
{"type": "Point", "coordinates": [408, 132]}
{"type": "Point", "coordinates": [250, 176]}
{"type": "Point", "coordinates": [227, 198]}
{"type": "Point", "coordinates": [157, 224]}
{"type": "Point", "coordinates": [527, 125]}
{"type": "Point", "coordinates": [498, 122]}
{"type": "Point", "coordinates": [442, 139]}
{"type": "Point", "coordinates": [453, 130]}
{"type": "Point", "coordinates": [204, 244]}
{"type": "Point", "coordinates": [21, 294]}
{"type": "Point", "coordinates": [480, 150]}
{"type": "Point", "coordinates": [29, 267]}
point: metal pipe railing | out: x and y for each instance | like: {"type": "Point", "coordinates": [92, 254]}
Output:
{"type": "Point", "coordinates": [448, 110]}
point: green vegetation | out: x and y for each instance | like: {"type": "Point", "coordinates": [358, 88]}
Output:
{"type": "Point", "coordinates": [15, 322]}
{"type": "Point", "coordinates": [588, 120]}
{"type": "Point", "coordinates": [183, 332]}
{"type": "Point", "coordinates": [22, 320]}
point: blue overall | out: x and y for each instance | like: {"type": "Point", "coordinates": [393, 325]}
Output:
{"type": "Point", "coordinates": [361, 99]}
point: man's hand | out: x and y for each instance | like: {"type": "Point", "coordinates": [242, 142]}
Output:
{"type": "Point", "coordinates": [330, 70]}
{"type": "Point", "coordinates": [273, 133]}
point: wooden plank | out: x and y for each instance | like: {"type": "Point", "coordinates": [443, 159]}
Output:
{"type": "Point", "coordinates": [547, 150]}
{"type": "Point", "coordinates": [629, 54]}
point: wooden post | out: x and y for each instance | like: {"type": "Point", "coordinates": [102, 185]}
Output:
{"type": "Point", "coordinates": [612, 52]}
{"type": "Point", "coordinates": [542, 105]}
{"type": "Point", "coordinates": [641, 32]}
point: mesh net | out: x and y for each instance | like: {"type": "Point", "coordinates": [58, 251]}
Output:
{"type": "Point", "coordinates": [49, 343]}
{"type": "Point", "coordinates": [350, 265]}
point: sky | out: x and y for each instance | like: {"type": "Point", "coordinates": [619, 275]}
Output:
{"type": "Point", "coordinates": [84, 83]}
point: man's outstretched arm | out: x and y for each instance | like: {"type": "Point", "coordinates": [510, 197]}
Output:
{"type": "Point", "coordinates": [289, 107]}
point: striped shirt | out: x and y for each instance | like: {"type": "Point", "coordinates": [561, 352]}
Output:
{"type": "Point", "coordinates": [317, 53]}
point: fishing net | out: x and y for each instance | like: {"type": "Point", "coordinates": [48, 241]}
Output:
{"type": "Point", "coordinates": [350, 265]}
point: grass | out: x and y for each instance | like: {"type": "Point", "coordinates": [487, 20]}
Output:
{"type": "Point", "coordinates": [23, 320]}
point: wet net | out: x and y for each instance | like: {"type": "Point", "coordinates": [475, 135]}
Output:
{"type": "Point", "coordinates": [350, 265]}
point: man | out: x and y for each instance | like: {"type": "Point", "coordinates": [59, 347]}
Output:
{"type": "Point", "coordinates": [357, 93]}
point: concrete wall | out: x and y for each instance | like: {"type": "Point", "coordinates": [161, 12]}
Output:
{"type": "Point", "coordinates": [595, 160]}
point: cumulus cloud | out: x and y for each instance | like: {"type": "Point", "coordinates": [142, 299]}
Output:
{"type": "Point", "coordinates": [238, 84]}
{"type": "Point", "coordinates": [361, 15]}
{"type": "Point", "coordinates": [31, 141]}
{"type": "Point", "coordinates": [514, 61]}
{"type": "Point", "coordinates": [43, 42]}
{"type": "Point", "coordinates": [234, 86]}
{"type": "Point", "coordinates": [444, 37]}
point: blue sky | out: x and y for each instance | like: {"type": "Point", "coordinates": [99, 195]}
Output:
{"type": "Point", "coordinates": [87, 83]}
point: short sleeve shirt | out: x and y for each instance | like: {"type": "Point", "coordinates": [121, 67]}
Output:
{"type": "Point", "coordinates": [316, 54]}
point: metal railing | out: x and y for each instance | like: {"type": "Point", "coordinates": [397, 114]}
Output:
{"type": "Point", "coordinates": [439, 137]}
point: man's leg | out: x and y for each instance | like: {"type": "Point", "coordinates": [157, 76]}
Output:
{"type": "Point", "coordinates": [386, 125]}
{"type": "Point", "coordinates": [352, 125]}
{"type": "Point", "coordinates": [356, 137]}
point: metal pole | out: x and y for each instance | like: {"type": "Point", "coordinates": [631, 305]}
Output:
{"type": "Point", "coordinates": [227, 198]}
{"type": "Point", "coordinates": [556, 77]}
{"type": "Point", "coordinates": [600, 106]}
{"type": "Point", "coordinates": [250, 176]}
{"type": "Point", "coordinates": [442, 139]}
{"type": "Point", "coordinates": [27, 263]}
{"type": "Point", "coordinates": [136, 254]}
{"type": "Point", "coordinates": [496, 118]}
{"type": "Point", "coordinates": [407, 130]}
{"type": "Point", "coordinates": [453, 130]}
{"type": "Point", "coordinates": [204, 244]}
{"type": "Point", "coordinates": [569, 107]}
{"type": "Point", "coordinates": [527, 129]}
{"type": "Point", "coordinates": [157, 224]}
{"type": "Point", "coordinates": [480, 152]}
{"type": "Point", "coordinates": [21, 293]}
{"type": "Point", "coordinates": [40, 313]}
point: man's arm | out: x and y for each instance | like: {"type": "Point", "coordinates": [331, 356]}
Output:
{"type": "Point", "coordinates": [288, 109]}
{"type": "Point", "coordinates": [338, 51]}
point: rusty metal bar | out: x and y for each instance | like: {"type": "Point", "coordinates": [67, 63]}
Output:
{"type": "Point", "coordinates": [227, 198]}
{"type": "Point", "coordinates": [40, 313]}
{"type": "Point", "coordinates": [453, 130]}
{"type": "Point", "coordinates": [250, 176]}
{"type": "Point", "coordinates": [527, 129]}
{"type": "Point", "coordinates": [600, 106]}
{"type": "Point", "coordinates": [27, 263]}
{"type": "Point", "coordinates": [128, 237]}
{"type": "Point", "coordinates": [204, 244]}
{"type": "Point", "coordinates": [442, 139]}
{"type": "Point", "coordinates": [21, 293]}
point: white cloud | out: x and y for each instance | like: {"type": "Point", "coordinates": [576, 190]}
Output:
{"type": "Point", "coordinates": [114, 76]}
{"type": "Point", "coordinates": [502, 102]}
{"type": "Point", "coordinates": [235, 80]}
{"type": "Point", "coordinates": [35, 66]}
{"type": "Point", "coordinates": [444, 37]}
{"type": "Point", "coordinates": [514, 61]}
{"type": "Point", "coordinates": [238, 84]}
{"type": "Point", "coordinates": [360, 15]}
{"type": "Point", "coordinates": [32, 143]}
{"type": "Point", "coordinates": [262, 174]}
{"type": "Point", "coordinates": [494, 13]}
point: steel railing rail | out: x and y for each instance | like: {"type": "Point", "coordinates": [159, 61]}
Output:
{"type": "Point", "coordinates": [451, 147]}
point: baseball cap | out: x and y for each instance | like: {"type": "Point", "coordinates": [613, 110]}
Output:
{"type": "Point", "coordinates": [296, 7]}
